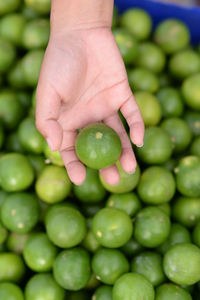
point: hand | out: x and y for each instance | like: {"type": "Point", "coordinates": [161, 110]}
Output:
{"type": "Point", "coordinates": [83, 80]}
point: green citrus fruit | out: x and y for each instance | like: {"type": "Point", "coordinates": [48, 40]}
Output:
{"type": "Point", "coordinates": [196, 234]}
{"type": "Point", "coordinates": [171, 291]}
{"type": "Point", "coordinates": [195, 147]}
{"type": "Point", "coordinates": [7, 55]}
{"type": "Point", "coordinates": [40, 6]}
{"type": "Point", "coordinates": [37, 162]}
{"type": "Point", "coordinates": [16, 76]}
{"type": "Point", "coordinates": [53, 156]}
{"type": "Point", "coordinates": [104, 292]}
{"type": "Point", "coordinates": [12, 268]}
{"type": "Point", "coordinates": [10, 291]}
{"type": "Point", "coordinates": [193, 120]}
{"type": "Point", "coordinates": [16, 242]}
{"type": "Point", "coordinates": [9, 6]}
{"type": "Point", "coordinates": [141, 79]}
{"type": "Point", "coordinates": [191, 91]}
{"type": "Point", "coordinates": [132, 248]}
{"type": "Point", "coordinates": [3, 234]}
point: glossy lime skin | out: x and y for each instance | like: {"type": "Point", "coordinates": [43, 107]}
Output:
{"type": "Point", "coordinates": [30, 138]}
{"type": "Point", "coordinates": [72, 269]}
{"type": "Point", "coordinates": [180, 133]}
{"type": "Point", "coordinates": [171, 35]}
{"type": "Point", "coordinates": [191, 91]}
{"type": "Point", "coordinates": [187, 176]}
{"type": "Point", "coordinates": [12, 267]}
{"type": "Point", "coordinates": [31, 64]}
{"type": "Point", "coordinates": [171, 291]}
{"type": "Point", "coordinates": [151, 57]}
{"type": "Point", "coordinates": [112, 227]}
{"type": "Point", "coordinates": [91, 190]}
{"type": "Point", "coordinates": [196, 235]}
{"type": "Point", "coordinates": [178, 235]}
{"type": "Point", "coordinates": [193, 120]}
{"type": "Point", "coordinates": [16, 173]}
{"type": "Point", "coordinates": [36, 34]}
{"type": "Point", "coordinates": [186, 211]}
{"type": "Point", "coordinates": [54, 157]}
{"type": "Point", "coordinates": [10, 291]}
{"type": "Point", "coordinates": [20, 212]}
{"type": "Point", "coordinates": [195, 147]}
{"type": "Point", "coordinates": [132, 248]}
{"type": "Point", "coordinates": [149, 107]}
{"type": "Point", "coordinates": [43, 287]}
{"type": "Point", "coordinates": [104, 292]}
{"type": "Point", "coordinates": [181, 264]}
{"type": "Point", "coordinates": [11, 110]}
{"type": "Point", "coordinates": [157, 185]}
{"type": "Point", "coordinates": [184, 63]}
{"type": "Point", "coordinates": [11, 27]}
{"type": "Point", "coordinates": [53, 184]}
{"type": "Point", "coordinates": [171, 102]}
{"type": "Point", "coordinates": [149, 264]}
{"type": "Point", "coordinates": [3, 234]}
{"type": "Point", "coordinates": [138, 22]}
{"type": "Point", "coordinates": [127, 44]}
{"type": "Point", "coordinates": [109, 264]}
{"type": "Point", "coordinates": [152, 227]}
{"type": "Point", "coordinates": [157, 147]}
{"type": "Point", "coordinates": [7, 54]}
{"type": "Point", "coordinates": [141, 79]}
{"type": "Point", "coordinates": [90, 243]}
{"type": "Point", "coordinates": [133, 286]}
{"type": "Point", "coordinates": [65, 226]}
{"type": "Point", "coordinates": [39, 253]}
{"type": "Point", "coordinates": [40, 6]}
{"type": "Point", "coordinates": [127, 182]}
{"type": "Point", "coordinates": [98, 146]}
{"type": "Point", "coordinates": [128, 202]}
{"type": "Point", "coordinates": [93, 283]}
{"type": "Point", "coordinates": [9, 6]}
{"type": "Point", "coordinates": [16, 242]}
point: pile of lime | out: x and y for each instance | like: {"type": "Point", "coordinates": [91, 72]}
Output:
{"type": "Point", "coordinates": [136, 240]}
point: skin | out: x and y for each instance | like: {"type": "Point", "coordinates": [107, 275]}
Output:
{"type": "Point", "coordinates": [83, 80]}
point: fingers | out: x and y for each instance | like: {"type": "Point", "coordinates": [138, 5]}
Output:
{"type": "Point", "coordinates": [110, 175]}
{"type": "Point", "coordinates": [134, 119]}
{"type": "Point", "coordinates": [47, 111]}
{"type": "Point", "coordinates": [127, 159]}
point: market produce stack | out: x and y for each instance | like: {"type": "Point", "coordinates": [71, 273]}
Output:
{"type": "Point", "coordinates": [136, 240]}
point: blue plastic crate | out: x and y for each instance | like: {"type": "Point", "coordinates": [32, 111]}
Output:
{"type": "Point", "coordinates": [160, 11]}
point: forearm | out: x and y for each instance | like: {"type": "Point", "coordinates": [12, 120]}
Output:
{"type": "Point", "coordinates": [79, 14]}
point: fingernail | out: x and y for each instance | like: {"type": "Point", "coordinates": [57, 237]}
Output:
{"type": "Point", "coordinates": [132, 172]}
{"type": "Point", "coordinates": [140, 146]}
{"type": "Point", "coordinates": [50, 144]}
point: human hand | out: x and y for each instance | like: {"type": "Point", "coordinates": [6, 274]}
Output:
{"type": "Point", "coordinates": [83, 80]}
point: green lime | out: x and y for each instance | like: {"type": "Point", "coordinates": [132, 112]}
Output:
{"type": "Point", "coordinates": [166, 208]}
{"type": "Point", "coordinates": [127, 182]}
{"type": "Point", "coordinates": [93, 282]}
{"type": "Point", "coordinates": [128, 202]}
{"type": "Point", "coordinates": [3, 233]}
{"type": "Point", "coordinates": [31, 63]}
{"type": "Point", "coordinates": [39, 253]}
{"type": "Point", "coordinates": [11, 27]}
{"type": "Point", "coordinates": [43, 287]}
{"type": "Point", "coordinates": [7, 54]}
{"type": "Point", "coordinates": [16, 173]}
{"type": "Point", "coordinates": [37, 162]}
{"type": "Point", "coordinates": [90, 209]}
{"type": "Point", "coordinates": [9, 6]}
{"type": "Point", "coordinates": [98, 146]}
{"type": "Point", "coordinates": [29, 137]}
{"type": "Point", "coordinates": [181, 264]}
{"type": "Point", "coordinates": [157, 147]}
{"type": "Point", "coordinates": [36, 34]}
{"type": "Point", "coordinates": [164, 80]}
{"type": "Point", "coordinates": [171, 291]}
{"type": "Point", "coordinates": [133, 286]}
{"type": "Point", "coordinates": [16, 242]}
{"type": "Point", "coordinates": [178, 234]}
{"type": "Point", "coordinates": [186, 211]}
{"type": "Point", "coordinates": [91, 190]}
{"type": "Point", "coordinates": [11, 110]}
{"type": "Point", "coordinates": [16, 77]}
{"type": "Point", "coordinates": [138, 22]}
{"type": "Point", "coordinates": [104, 292]}
{"type": "Point", "coordinates": [20, 212]}
{"type": "Point", "coordinates": [195, 147]}
{"type": "Point", "coordinates": [180, 133]}
{"type": "Point", "coordinates": [1, 136]}
{"type": "Point", "coordinates": [191, 91]}
{"type": "Point", "coordinates": [196, 234]}
{"type": "Point", "coordinates": [184, 63]}
{"type": "Point", "coordinates": [128, 45]}
{"type": "Point", "coordinates": [71, 269]}
{"type": "Point", "coordinates": [90, 243]}
{"type": "Point", "coordinates": [152, 227]}
{"type": "Point", "coordinates": [112, 227]}
{"type": "Point", "coordinates": [131, 248]}
{"type": "Point", "coordinates": [157, 185]}
{"type": "Point", "coordinates": [171, 102]}
{"type": "Point", "coordinates": [187, 176]}
{"type": "Point", "coordinates": [65, 226]}
{"type": "Point", "coordinates": [149, 107]}
{"type": "Point", "coordinates": [40, 6]}
{"type": "Point", "coordinates": [109, 264]}
{"type": "Point", "coordinates": [3, 196]}
{"type": "Point", "coordinates": [10, 291]}
{"type": "Point", "coordinates": [193, 120]}
{"type": "Point", "coordinates": [170, 164]}
{"type": "Point", "coordinates": [24, 98]}
{"type": "Point", "coordinates": [172, 35]}
{"type": "Point", "coordinates": [149, 264]}
{"type": "Point", "coordinates": [12, 267]}
{"type": "Point", "coordinates": [151, 57]}
{"type": "Point", "coordinates": [53, 184]}
{"type": "Point", "coordinates": [53, 156]}
{"type": "Point", "coordinates": [141, 79]}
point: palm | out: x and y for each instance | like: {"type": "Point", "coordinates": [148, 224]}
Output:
{"type": "Point", "coordinates": [86, 83]}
